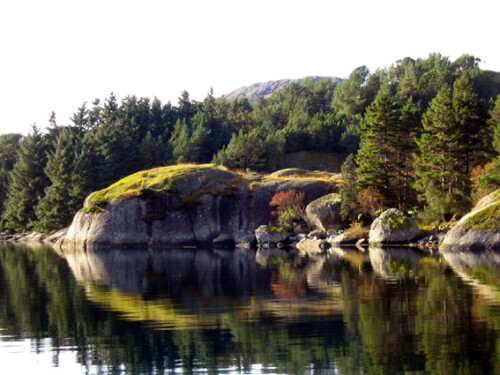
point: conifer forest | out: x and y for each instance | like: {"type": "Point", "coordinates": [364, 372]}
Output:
{"type": "Point", "coordinates": [421, 135]}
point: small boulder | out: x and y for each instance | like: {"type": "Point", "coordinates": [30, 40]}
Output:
{"type": "Point", "coordinates": [269, 235]}
{"type": "Point", "coordinates": [317, 234]}
{"type": "Point", "coordinates": [394, 227]}
{"type": "Point", "coordinates": [350, 236]}
{"type": "Point", "coordinates": [324, 213]}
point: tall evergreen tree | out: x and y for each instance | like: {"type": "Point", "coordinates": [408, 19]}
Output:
{"type": "Point", "coordinates": [27, 182]}
{"type": "Point", "coordinates": [377, 156]}
{"type": "Point", "coordinates": [9, 145]}
{"type": "Point", "coordinates": [491, 180]}
{"type": "Point", "coordinates": [410, 127]}
{"type": "Point", "coordinates": [244, 151]}
{"type": "Point", "coordinates": [200, 142]}
{"type": "Point", "coordinates": [470, 113]}
{"type": "Point", "coordinates": [348, 189]}
{"type": "Point", "coordinates": [441, 177]}
{"type": "Point", "coordinates": [57, 207]}
{"type": "Point", "coordinates": [180, 142]}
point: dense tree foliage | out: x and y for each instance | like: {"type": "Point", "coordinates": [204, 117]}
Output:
{"type": "Point", "coordinates": [27, 182]}
{"type": "Point", "coordinates": [423, 129]}
{"type": "Point", "coordinates": [9, 144]}
{"type": "Point", "coordinates": [348, 190]}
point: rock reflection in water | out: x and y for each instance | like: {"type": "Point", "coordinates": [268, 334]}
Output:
{"type": "Point", "coordinates": [394, 262]}
{"type": "Point", "coordinates": [168, 272]}
{"type": "Point", "coordinates": [179, 288]}
{"type": "Point", "coordinates": [482, 270]}
{"type": "Point", "coordinates": [194, 310]}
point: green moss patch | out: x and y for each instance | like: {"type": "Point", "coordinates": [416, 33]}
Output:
{"type": "Point", "coordinates": [274, 229]}
{"type": "Point", "coordinates": [398, 221]}
{"type": "Point", "coordinates": [157, 181]}
{"type": "Point", "coordinates": [486, 220]}
{"type": "Point", "coordinates": [329, 198]}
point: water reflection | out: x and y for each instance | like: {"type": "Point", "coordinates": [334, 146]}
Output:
{"type": "Point", "coordinates": [197, 288]}
{"type": "Point", "coordinates": [479, 269]}
{"type": "Point", "coordinates": [383, 311]}
{"type": "Point", "coordinates": [394, 262]}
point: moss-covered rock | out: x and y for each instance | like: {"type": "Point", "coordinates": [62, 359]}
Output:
{"type": "Point", "coordinates": [394, 227]}
{"type": "Point", "coordinates": [267, 235]}
{"type": "Point", "coordinates": [478, 230]}
{"type": "Point", "coordinates": [324, 213]}
{"type": "Point", "coordinates": [183, 181]}
{"type": "Point", "coordinates": [181, 205]}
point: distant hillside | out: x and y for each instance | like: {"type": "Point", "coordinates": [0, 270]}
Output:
{"type": "Point", "coordinates": [253, 92]}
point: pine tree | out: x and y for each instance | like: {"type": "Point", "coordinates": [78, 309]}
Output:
{"type": "Point", "coordinates": [180, 142]}
{"type": "Point", "coordinates": [244, 151]}
{"type": "Point", "coordinates": [348, 189]}
{"type": "Point", "coordinates": [200, 143]}
{"type": "Point", "coordinates": [154, 152]}
{"type": "Point", "coordinates": [410, 127]}
{"type": "Point", "coordinates": [27, 182]}
{"type": "Point", "coordinates": [474, 147]}
{"type": "Point", "coordinates": [441, 176]}
{"type": "Point", "coordinates": [490, 181]}
{"type": "Point", "coordinates": [54, 210]}
{"type": "Point", "coordinates": [377, 157]}
{"type": "Point", "coordinates": [9, 145]}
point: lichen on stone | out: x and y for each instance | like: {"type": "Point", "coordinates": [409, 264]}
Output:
{"type": "Point", "coordinates": [398, 220]}
{"type": "Point", "coordinates": [486, 220]}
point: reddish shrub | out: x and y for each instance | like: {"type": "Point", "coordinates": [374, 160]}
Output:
{"type": "Point", "coordinates": [475, 174]}
{"type": "Point", "coordinates": [283, 200]}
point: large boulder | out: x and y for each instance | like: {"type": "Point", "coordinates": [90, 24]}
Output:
{"type": "Point", "coordinates": [269, 236]}
{"type": "Point", "coordinates": [324, 213]}
{"type": "Point", "coordinates": [479, 230]}
{"type": "Point", "coordinates": [181, 205]}
{"type": "Point", "coordinates": [394, 227]}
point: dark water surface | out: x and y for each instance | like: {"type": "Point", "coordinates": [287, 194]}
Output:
{"type": "Point", "coordinates": [385, 311]}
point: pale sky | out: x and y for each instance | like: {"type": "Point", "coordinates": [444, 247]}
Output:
{"type": "Point", "coordinates": [57, 54]}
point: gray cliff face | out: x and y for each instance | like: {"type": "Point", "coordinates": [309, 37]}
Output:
{"type": "Point", "coordinates": [164, 221]}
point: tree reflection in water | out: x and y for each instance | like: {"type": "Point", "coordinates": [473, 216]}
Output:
{"type": "Point", "coordinates": [381, 312]}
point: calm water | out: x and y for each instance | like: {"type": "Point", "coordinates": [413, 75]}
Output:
{"type": "Point", "coordinates": [391, 311]}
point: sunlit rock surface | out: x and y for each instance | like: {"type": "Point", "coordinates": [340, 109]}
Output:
{"type": "Point", "coordinates": [479, 230]}
{"type": "Point", "coordinates": [393, 227]}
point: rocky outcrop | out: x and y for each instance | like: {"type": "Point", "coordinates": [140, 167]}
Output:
{"type": "Point", "coordinates": [479, 230]}
{"type": "Point", "coordinates": [265, 89]}
{"type": "Point", "coordinates": [175, 206]}
{"type": "Point", "coordinates": [324, 213]}
{"type": "Point", "coordinates": [394, 227]}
